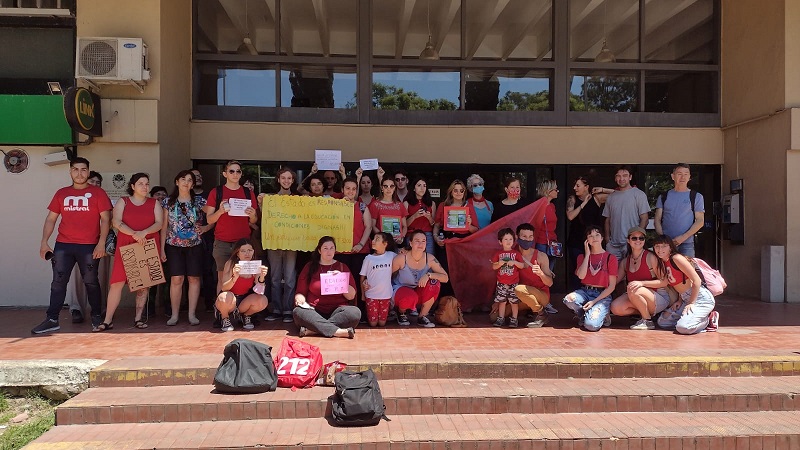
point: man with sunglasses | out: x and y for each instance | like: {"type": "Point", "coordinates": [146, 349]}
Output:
{"type": "Point", "coordinates": [229, 229]}
{"type": "Point", "coordinates": [401, 181]}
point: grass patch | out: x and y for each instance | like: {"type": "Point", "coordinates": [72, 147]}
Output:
{"type": "Point", "coordinates": [41, 417]}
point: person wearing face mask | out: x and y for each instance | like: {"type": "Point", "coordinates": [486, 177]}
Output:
{"type": "Point", "coordinates": [483, 207]}
{"type": "Point", "coordinates": [512, 202]}
{"type": "Point", "coordinates": [535, 278]}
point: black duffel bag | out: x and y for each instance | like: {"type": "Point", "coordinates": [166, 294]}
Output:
{"type": "Point", "coordinates": [246, 368]}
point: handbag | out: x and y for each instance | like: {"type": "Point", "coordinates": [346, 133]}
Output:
{"type": "Point", "coordinates": [298, 363]}
{"type": "Point", "coordinates": [554, 248]}
{"type": "Point", "coordinates": [111, 242]}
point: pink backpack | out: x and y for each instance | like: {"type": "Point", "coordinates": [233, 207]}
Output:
{"type": "Point", "coordinates": [713, 279]}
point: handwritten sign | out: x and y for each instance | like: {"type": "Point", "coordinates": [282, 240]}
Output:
{"type": "Point", "coordinates": [369, 164]}
{"type": "Point", "coordinates": [455, 218]}
{"type": "Point", "coordinates": [328, 159]}
{"type": "Point", "coordinates": [142, 265]}
{"type": "Point", "coordinates": [238, 205]}
{"type": "Point", "coordinates": [292, 222]}
{"type": "Point", "coordinates": [334, 282]}
{"type": "Point", "coordinates": [250, 267]}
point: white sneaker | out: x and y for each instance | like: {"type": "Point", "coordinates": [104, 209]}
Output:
{"type": "Point", "coordinates": [643, 324]}
{"type": "Point", "coordinates": [226, 324]}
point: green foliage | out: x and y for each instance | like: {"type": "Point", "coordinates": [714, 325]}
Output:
{"type": "Point", "coordinates": [18, 436]}
{"type": "Point", "coordinates": [523, 101]}
{"type": "Point", "coordinates": [394, 98]}
{"type": "Point", "coordinates": [606, 94]}
{"type": "Point", "coordinates": [3, 402]}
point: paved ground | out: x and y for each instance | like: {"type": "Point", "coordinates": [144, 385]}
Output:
{"type": "Point", "coordinates": [746, 327]}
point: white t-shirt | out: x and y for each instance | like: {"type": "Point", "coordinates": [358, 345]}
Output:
{"type": "Point", "coordinates": [378, 270]}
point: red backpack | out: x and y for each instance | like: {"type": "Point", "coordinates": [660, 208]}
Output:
{"type": "Point", "coordinates": [297, 363]}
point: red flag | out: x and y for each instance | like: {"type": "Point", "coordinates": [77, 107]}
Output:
{"type": "Point", "coordinates": [468, 258]}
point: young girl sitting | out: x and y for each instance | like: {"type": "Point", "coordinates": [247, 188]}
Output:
{"type": "Point", "coordinates": [507, 263]}
{"type": "Point", "coordinates": [376, 278]}
{"type": "Point", "coordinates": [239, 291]}
{"type": "Point", "coordinates": [597, 270]}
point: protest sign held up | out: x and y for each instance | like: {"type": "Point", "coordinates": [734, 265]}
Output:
{"type": "Point", "coordinates": [292, 222]}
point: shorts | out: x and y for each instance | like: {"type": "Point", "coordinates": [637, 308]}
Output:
{"type": "Point", "coordinates": [662, 299]}
{"type": "Point", "coordinates": [506, 293]}
{"type": "Point", "coordinates": [222, 253]}
{"type": "Point", "coordinates": [184, 261]}
{"type": "Point", "coordinates": [377, 309]}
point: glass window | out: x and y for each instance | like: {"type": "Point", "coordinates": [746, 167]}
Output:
{"type": "Point", "coordinates": [236, 85]}
{"type": "Point", "coordinates": [680, 92]}
{"type": "Point", "coordinates": [400, 28]}
{"type": "Point", "coordinates": [245, 27]}
{"type": "Point", "coordinates": [601, 91]}
{"type": "Point", "coordinates": [507, 90]}
{"type": "Point", "coordinates": [516, 29]}
{"type": "Point", "coordinates": [409, 89]}
{"type": "Point", "coordinates": [319, 27]}
{"type": "Point", "coordinates": [613, 22]}
{"type": "Point", "coordinates": [681, 31]}
{"type": "Point", "coordinates": [305, 86]}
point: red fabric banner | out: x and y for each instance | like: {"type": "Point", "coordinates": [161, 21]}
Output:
{"type": "Point", "coordinates": [468, 258]}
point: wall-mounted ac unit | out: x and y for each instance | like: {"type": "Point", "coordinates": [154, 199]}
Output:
{"type": "Point", "coordinates": [112, 60]}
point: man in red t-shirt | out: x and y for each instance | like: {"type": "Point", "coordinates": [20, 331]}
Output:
{"type": "Point", "coordinates": [230, 225]}
{"type": "Point", "coordinates": [85, 212]}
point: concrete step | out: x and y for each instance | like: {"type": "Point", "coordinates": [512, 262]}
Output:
{"type": "Point", "coordinates": [686, 431]}
{"type": "Point", "coordinates": [493, 364]}
{"type": "Point", "coordinates": [440, 396]}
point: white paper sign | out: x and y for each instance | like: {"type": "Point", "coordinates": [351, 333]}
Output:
{"type": "Point", "coordinates": [238, 205]}
{"type": "Point", "coordinates": [328, 159]}
{"type": "Point", "coordinates": [250, 267]}
{"type": "Point", "coordinates": [369, 164]}
{"type": "Point", "coordinates": [334, 282]}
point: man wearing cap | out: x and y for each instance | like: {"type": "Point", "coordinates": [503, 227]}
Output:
{"type": "Point", "coordinates": [680, 212]}
{"type": "Point", "coordinates": [626, 207]}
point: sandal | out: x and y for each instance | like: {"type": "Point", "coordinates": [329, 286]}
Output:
{"type": "Point", "coordinates": [103, 327]}
{"type": "Point", "coordinates": [139, 324]}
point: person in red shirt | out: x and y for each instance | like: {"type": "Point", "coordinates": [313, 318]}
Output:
{"type": "Point", "coordinates": [242, 293]}
{"type": "Point", "coordinates": [331, 315]}
{"type": "Point", "coordinates": [229, 228]}
{"type": "Point", "coordinates": [85, 212]}
{"type": "Point", "coordinates": [535, 279]}
{"type": "Point", "coordinates": [545, 229]}
{"type": "Point", "coordinates": [388, 212]}
{"type": "Point", "coordinates": [597, 270]}
{"type": "Point", "coordinates": [507, 263]}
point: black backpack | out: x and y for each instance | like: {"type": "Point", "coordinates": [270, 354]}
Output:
{"type": "Point", "coordinates": [692, 196]}
{"type": "Point", "coordinates": [357, 400]}
{"type": "Point", "coordinates": [246, 368]}
{"type": "Point", "coordinates": [218, 195]}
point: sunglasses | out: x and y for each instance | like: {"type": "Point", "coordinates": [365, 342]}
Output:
{"type": "Point", "coordinates": [232, 171]}
{"type": "Point", "coordinates": [388, 186]}
{"type": "Point", "coordinates": [460, 191]}
{"type": "Point", "coordinates": [637, 238]}
{"type": "Point", "coordinates": [400, 179]}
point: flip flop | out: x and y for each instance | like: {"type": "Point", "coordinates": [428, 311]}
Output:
{"type": "Point", "coordinates": [139, 324]}
{"type": "Point", "coordinates": [103, 327]}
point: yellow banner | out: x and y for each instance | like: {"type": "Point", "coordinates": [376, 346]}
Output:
{"type": "Point", "coordinates": [293, 222]}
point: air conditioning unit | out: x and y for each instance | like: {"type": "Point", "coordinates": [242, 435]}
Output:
{"type": "Point", "coordinates": [114, 60]}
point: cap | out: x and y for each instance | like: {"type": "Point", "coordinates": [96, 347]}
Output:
{"type": "Point", "coordinates": [635, 229]}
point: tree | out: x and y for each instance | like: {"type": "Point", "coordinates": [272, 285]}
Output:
{"type": "Point", "coordinates": [522, 101]}
{"type": "Point", "coordinates": [394, 98]}
{"type": "Point", "coordinates": [607, 94]}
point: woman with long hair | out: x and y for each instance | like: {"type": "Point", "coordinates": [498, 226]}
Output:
{"type": "Point", "coordinates": [584, 209]}
{"type": "Point", "coordinates": [417, 282]}
{"type": "Point", "coordinates": [182, 243]}
{"type": "Point", "coordinates": [242, 294]}
{"type": "Point", "coordinates": [330, 315]}
{"type": "Point", "coordinates": [388, 212]}
{"type": "Point", "coordinates": [646, 293]}
{"type": "Point", "coordinates": [456, 197]}
{"type": "Point", "coordinates": [694, 312]}
{"type": "Point", "coordinates": [422, 211]}
{"type": "Point", "coordinates": [597, 270]}
{"type": "Point", "coordinates": [136, 218]}
{"type": "Point", "coordinates": [366, 183]}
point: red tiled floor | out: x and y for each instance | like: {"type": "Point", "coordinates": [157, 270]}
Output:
{"type": "Point", "coordinates": [747, 326]}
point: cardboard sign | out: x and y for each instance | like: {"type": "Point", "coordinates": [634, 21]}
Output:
{"type": "Point", "coordinates": [391, 225]}
{"type": "Point", "coordinates": [369, 164]}
{"type": "Point", "coordinates": [328, 159]}
{"type": "Point", "coordinates": [238, 205]}
{"type": "Point", "coordinates": [334, 283]}
{"type": "Point", "coordinates": [142, 265]}
{"type": "Point", "coordinates": [455, 218]}
{"type": "Point", "coordinates": [292, 222]}
{"type": "Point", "coordinates": [250, 267]}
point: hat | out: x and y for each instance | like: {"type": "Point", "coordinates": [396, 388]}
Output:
{"type": "Point", "coordinates": [635, 229]}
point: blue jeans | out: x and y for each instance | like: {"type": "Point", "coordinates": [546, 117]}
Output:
{"type": "Point", "coordinates": [687, 247]}
{"type": "Point", "coordinates": [282, 268]}
{"type": "Point", "coordinates": [65, 256]}
{"type": "Point", "coordinates": [551, 259]}
{"type": "Point", "coordinates": [693, 322]}
{"type": "Point", "coordinates": [594, 317]}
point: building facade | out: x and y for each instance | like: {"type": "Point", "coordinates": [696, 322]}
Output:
{"type": "Point", "coordinates": [538, 88]}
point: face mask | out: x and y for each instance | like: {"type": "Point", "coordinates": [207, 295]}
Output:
{"type": "Point", "coordinates": [525, 245]}
{"type": "Point", "coordinates": [477, 190]}
{"type": "Point", "coordinates": [513, 195]}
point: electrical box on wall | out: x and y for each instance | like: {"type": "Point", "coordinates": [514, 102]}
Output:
{"type": "Point", "coordinates": [54, 159]}
{"type": "Point", "coordinates": [733, 212]}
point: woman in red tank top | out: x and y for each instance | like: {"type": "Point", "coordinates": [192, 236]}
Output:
{"type": "Point", "coordinates": [242, 292]}
{"type": "Point", "coordinates": [136, 218]}
{"type": "Point", "coordinates": [646, 292]}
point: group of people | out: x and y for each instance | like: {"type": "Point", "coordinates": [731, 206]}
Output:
{"type": "Point", "coordinates": [399, 250]}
